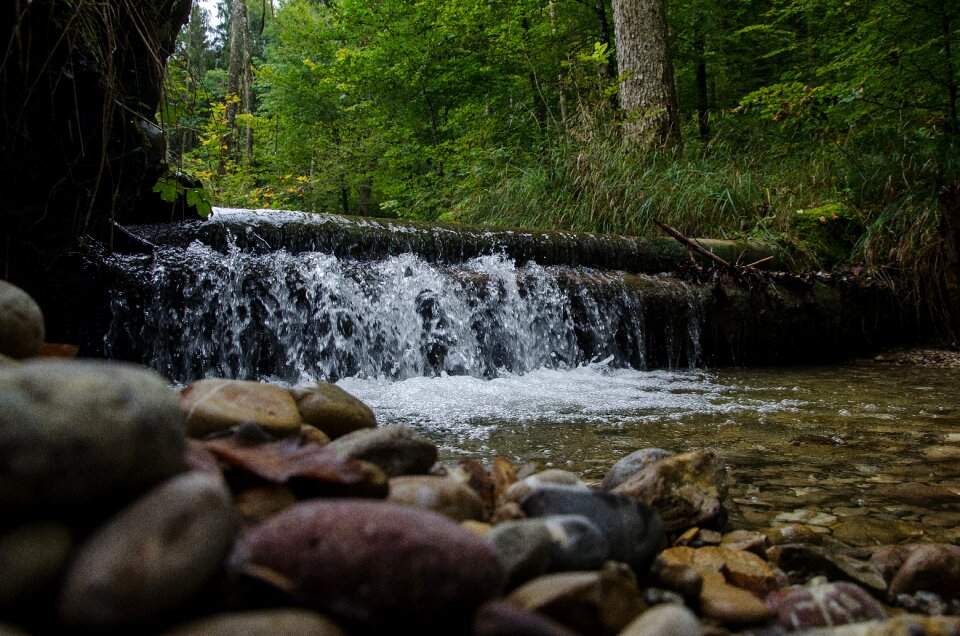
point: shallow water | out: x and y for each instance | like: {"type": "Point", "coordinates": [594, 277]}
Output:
{"type": "Point", "coordinates": [856, 441]}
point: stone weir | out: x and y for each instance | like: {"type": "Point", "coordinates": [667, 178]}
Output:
{"type": "Point", "coordinates": [365, 238]}
{"type": "Point", "coordinates": [248, 296]}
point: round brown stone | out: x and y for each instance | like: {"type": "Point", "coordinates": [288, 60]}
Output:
{"type": "Point", "coordinates": [375, 562]}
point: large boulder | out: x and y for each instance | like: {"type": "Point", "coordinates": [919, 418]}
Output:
{"type": "Point", "coordinates": [75, 433]}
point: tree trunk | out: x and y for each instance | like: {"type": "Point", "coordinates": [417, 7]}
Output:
{"type": "Point", "coordinates": [703, 96]}
{"type": "Point", "coordinates": [238, 75]}
{"type": "Point", "coordinates": [647, 92]}
{"type": "Point", "coordinates": [81, 83]}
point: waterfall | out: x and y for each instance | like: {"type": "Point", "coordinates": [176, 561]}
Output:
{"type": "Point", "coordinates": [232, 308]}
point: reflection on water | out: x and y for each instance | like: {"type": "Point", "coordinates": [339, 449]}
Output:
{"type": "Point", "coordinates": [851, 440]}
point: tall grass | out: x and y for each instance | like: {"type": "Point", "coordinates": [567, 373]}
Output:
{"type": "Point", "coordinates": [720, 189]}
{"type": "Point", "coordinates": [743, 183]}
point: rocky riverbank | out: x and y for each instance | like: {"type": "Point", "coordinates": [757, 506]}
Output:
{"type": "Point", "coordinates": [244, 508]}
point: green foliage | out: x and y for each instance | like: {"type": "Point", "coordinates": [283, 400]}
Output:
{"type": "Point", "coordinates": [171, 189]}
{"type": "Point", "coordinates": [505, 114]}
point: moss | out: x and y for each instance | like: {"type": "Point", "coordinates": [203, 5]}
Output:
{"type": "Point", "coordinates": [830, 231]}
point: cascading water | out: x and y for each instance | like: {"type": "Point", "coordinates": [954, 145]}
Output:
{"type": "Point", "coordinates": [288, 316]}
{"type": "Point", "coordinates": [547, 348]}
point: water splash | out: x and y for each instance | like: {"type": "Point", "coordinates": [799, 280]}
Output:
{"type": "Point", "coordinates": [278, 315]}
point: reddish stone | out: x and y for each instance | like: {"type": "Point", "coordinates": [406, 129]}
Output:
{"type": "Point", "coordinates": [374, 562]}
{"type": "Point", "coordinates": [824, 605]}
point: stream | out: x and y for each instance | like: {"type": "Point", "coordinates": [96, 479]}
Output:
{"type": "Point", "coordinates": [871, 446]}
{"type": "Point", "coordinates": [557, 349]}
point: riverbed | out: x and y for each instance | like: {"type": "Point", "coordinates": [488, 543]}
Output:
{"type": "Point", "coordinates": [865, 446]}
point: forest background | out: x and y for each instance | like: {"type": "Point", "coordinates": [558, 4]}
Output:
{"type": "Point", "coordinates": [826, 127]}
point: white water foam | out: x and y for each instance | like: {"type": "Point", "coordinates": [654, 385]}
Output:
{"type": "Point", "coordinates": [467, 407]}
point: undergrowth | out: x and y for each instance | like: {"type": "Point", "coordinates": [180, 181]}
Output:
{"type": "Point", "coordinates": [748, 183]}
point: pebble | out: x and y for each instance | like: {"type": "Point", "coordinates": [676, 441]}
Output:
{"type": "Point", "coordinates": [332, 410]}
{"type": "Point", "coordinates": [577, 543]}
{"type": "Point", "coordinates": [379, 563]}
{"type": "Point", "coordinates": [806, 516]}
{"type": "Point", "coordinates": [471, 473]}
{"type": "Point", "coordinates": [633, 531]}
{"type": "Point", "coordinates": [445, 495]}
{"type": "Point", "coordinates": [309, 470]}
{"type": "Point", "coordinates": [81, 433]}
{"type": "Point", "coordinates": [805, 561]}
{"type": "Point", "coordinates": [669, 619]}
{"type": "Point", "coordinates": [687, 489]}
{"type": "Point", "coordinates": [396, 449]}
{"type": "Point", "coordinates": [824, 605]}
{"type": "Point", "coordinates": [151, 557]}
{"type": "Point", "coordinates": [942, 453]}
{"type": "Point", "coordinates": [632, 464]}
{"type": "Point", "coordinates": [598, 602]}
{"type": "Point", "coordinates": [21, 323]}
{"type": "Point", "coordinates": [731, 605]}
{"type": "Point", "coordinates": [872, 531]}
{"type": "Point", "coordinates": [524, 549]}
{"type": "Point", "coordinates": [742, 569]}
{"type": "Point", "coordinates": [503, 475]}
{"type": "Point", "coordinates": [216, 405]}
{"type": "Point", "coordinates": [749, 540]}
{"type": "Point", "coordinates": [259, 503]}
{"type": "Point", "coordinates": [933, 567]}
{"type": "Point", "coordinates": [681, 578]}
{"type": "Point", "coordinates": [287, 621]}
{"type": "Point", "coordinates": [792, 533]}
{"type": "Point", "coordinates": [553, 477]}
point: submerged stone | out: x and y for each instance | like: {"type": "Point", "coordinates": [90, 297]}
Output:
{"type": "Point", "coordinates": [686, 489]}
{"type": "Point", "coordinates": [632, 464]}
